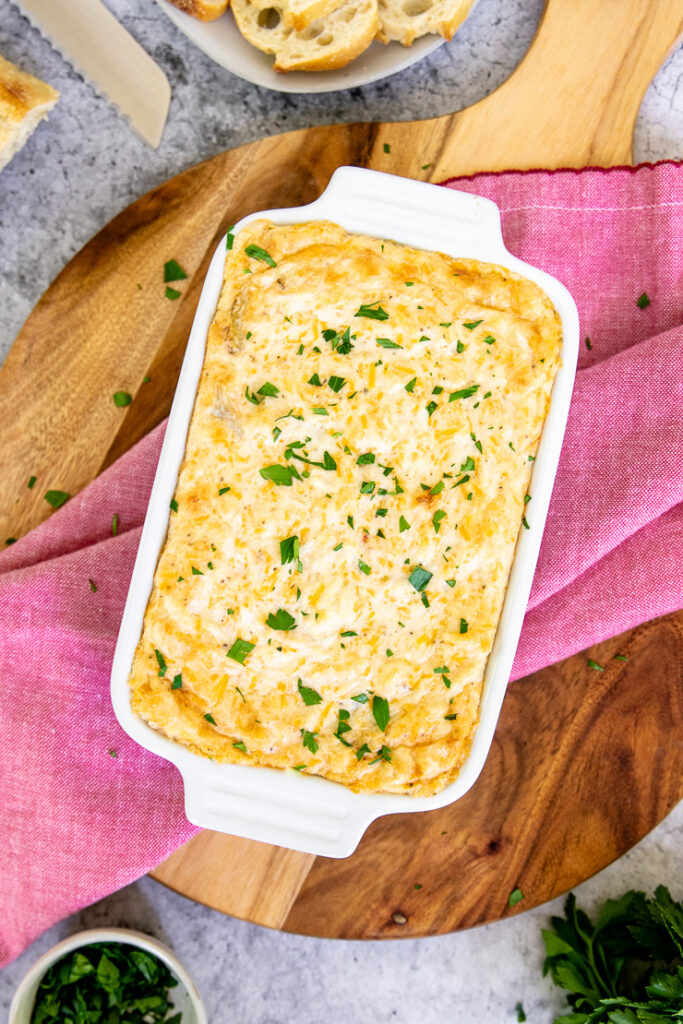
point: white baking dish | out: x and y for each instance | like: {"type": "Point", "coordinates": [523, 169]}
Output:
{"type": "Point", "coordinates": [283, 807]}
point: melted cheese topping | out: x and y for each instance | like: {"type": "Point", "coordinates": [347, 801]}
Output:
{"type": "Point", "coordinates": [353, 486]}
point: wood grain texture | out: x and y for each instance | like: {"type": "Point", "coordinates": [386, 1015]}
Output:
{"type": "Point", "coordinates": [570, 782]}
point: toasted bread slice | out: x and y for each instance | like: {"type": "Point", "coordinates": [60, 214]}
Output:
{"type": "Point", "coordinates": [406, 20]}
{"type": "Point", "coordinates": [299, 14]}
{"type": "Point", "coordinates": [326, 43]}
{"type": "Point", "coordinates": [205, 10]}
{"type": "Point", "coordinates": [24, 101]}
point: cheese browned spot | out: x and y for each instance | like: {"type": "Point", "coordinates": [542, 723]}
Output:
{"type": "Point", "coordinates": [372, 561]}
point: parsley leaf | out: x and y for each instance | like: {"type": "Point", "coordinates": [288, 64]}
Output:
{"type": "Point", "coordinates": [387, 343]}
{"type": "Point", "coordinates": [380, 712]}
{"type": "Point", "coordinates": [309, 740]}
{"type": "Point", "coordinates": [364, 568]}
{"type": "Point", "coordinates": [436, 519]}
{"type": "Point", "coordinates": [239, 650]}
{"type": "Point", "coordinates": [56, 498]}
{"type": "Point", "coordinates": [644, 301]}
{"type": "Point", "coordinates": [121, 398]}
{"type": "Point", "coordinates": [280, 475]}
{"type": "Point", "coordinates": [336, 383]}
{"type": "Point", "coordinates": [410, 386]}
{"type": "Point", "coordinates": [308, 695]}
{"type": "Point", "coordinates": [472, 324]}
{"type": "Point", "coordinates": [173, 271]}
{"type": "Point", "coordinates": [161, 662]}
{"type": "Point", "coordinates": [255, 252]}
{"type": "Point", "coordinates": [281, 619]}
{"type": "Point", "coordinates": [515, 897]}
{"type": "Point", "coordinates": [419, 578]}
{"type": "Point", "coordinates": [372, 314]}
{"type": "Point", "coordinates": [289, 550]}
{"type": "Point", "coordinates": [463, 393]}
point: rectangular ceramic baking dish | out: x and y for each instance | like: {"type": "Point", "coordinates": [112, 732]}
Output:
{"type": "Point", "coordinates": [286, 808]}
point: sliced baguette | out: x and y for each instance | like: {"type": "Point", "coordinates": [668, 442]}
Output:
{"type": "Point", "coordinates": [299, 14]}
{"type": "Point", "coordinates": [205, 10]}
{"type": "Point", "coordinates": [24, 101]}
{"type": "Point", "coordinates": [326, 43]}
{"type": "Point", "coordinates": [406, 20]}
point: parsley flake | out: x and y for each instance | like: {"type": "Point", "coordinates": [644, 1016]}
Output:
{"type": "Point", "coordinates": [644, 301]}
{"type": "Point", "coordinates": [363, 567]}
{"type": "Point", "coordinates": [173, 272]}
{"type": "Point", "coordinates": [308, 695]}
{"type": "Point", "coordinates": [463, 626]}
{"type": "Point", "coordinates": [210, 719]}
{"type": "Point", "coordinates": [161, 662]}
{"type": "Point", "coordinates": [177, 682]}
{"type": "Point", "coordinates": [515, 897]}
{"type": "Point", "coordinates": [595, 665]}
{"type": "Point", "coordinates": [436, 519]}
{"type": "Point", "coordinates": [472, 324]}
{"type": "Point", "coordinates": [419, 578]}
{"type": "Point", "coordinates": [281, 619]}
{"type": "Point", "coordinates": [387, 343]}
{"type": "Point", "coordinates": [121, 398]}
{"type": "Point", "coordinates": [309, 740]}
{"type": "Point", "coordinates": [372, 314]}
{"type": "Point", "coordinates": [255, 252]}
{"type": "Point", "coordinates": [463, 393]}
{"type": "Point", "coordinates": [410, 386]}
{"type": "Point", "coordinates": [172, 293]}
{"type": "Point", "coordinates": [280, 475]}
{"type": "Point", "coordinates": [239, 650]}
{"type": "Point", "coordinates": [289, 550]}
{"type": "Point", "coordinates": [56, 498]}
{"type": "Point", "coordinates": [380, 712]}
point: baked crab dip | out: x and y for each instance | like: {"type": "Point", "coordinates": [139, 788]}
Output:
{"type": "Point", "coordinates": [345, 518]}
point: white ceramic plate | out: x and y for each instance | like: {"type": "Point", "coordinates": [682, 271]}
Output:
{"type": "Point", "coordinates": [222, 41]}
{"type": "Point", "coordinates": [286, 808]}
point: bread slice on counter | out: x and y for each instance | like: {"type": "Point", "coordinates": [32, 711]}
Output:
{"type": "Point", "coordinates": [406, 20]}
{"type": "Point", "coordinates": [205, 10]}
{"type": "Point", "coordinates": [24, 101]}
{"type": "Point", "coordinates": [324, 44]}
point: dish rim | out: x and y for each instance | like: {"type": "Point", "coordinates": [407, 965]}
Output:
{"type": "Point", "coordinates": [307, 812]}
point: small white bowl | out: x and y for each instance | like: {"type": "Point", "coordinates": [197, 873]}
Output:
{"type": "Point", "coordinates": [185, 997]}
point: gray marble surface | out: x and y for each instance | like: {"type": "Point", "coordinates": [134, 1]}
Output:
{"type": "Point", "coordinates": [77, 171]}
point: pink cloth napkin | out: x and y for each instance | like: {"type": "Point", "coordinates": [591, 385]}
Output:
{"type": "Point", "coordinates": [84, 810]}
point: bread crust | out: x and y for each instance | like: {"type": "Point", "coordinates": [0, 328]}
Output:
{"type": "Point", "coordinates": [204, 10]}
{"type": "Point", "coordinates": [442, 17]}
{"type": "Point", "coordinates": [24, 101]}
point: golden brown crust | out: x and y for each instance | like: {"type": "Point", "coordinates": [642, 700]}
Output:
{"type": "Point", "coordinates": [410, 439]}
{"type": "Point", "coordinates": [20, 93]}
{"type": "Point", "coordinates": [407, 20]}
{"type": "Point", "coordinates": [205, 10]}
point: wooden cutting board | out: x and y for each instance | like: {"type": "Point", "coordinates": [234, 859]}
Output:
{"type": "Point", "coordinates": [584, 763]}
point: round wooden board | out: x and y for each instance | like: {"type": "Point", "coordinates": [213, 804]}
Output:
{"type": "Point", "coordinates": [584, 763]}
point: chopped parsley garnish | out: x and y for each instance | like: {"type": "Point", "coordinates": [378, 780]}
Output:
{"type": "Point", "coordinates": [488, 340]}
{"type": "Point", "coordinates": [343, 726]}
{"type": "Point", "coordinates": [589, 345]}
{"type": "Point", "coordinates": [387, 343]}
{"type": "Point", "coordinates": [521, 1016]}
{"type": "Point", "coordinates": [349, 632]}
{"type": "Point", "coordinates": [93, 585]}
{"type": "Point", "coordinates": [477, 444]}
{"type": "Point", "coordinates": [196, 571]}
{"type": "Point", "coordinates": [595, 665]}
{"type": "Point", "coordinates": [472, 324]}
{"type": "Point", "coordinates": [431, 408]}
{"type": "Point", "coordinates": [450, 583]}
{"type": "Point", "coordinates": [161, 662]}
{"type": "Point", "coordinates": [122, 398]}
{"type": "Point", "coordinates": [240, 650]}
{"type": "Point", "coordinates": [309, 740]}
{"type": "Point", "coordinates": [380, 712]}
{"type": "Point", "coordinates": [436, 519]}
{"type": "Point", "coordinates": [419, 578]}
{"type": "Point", "coordinates": [366, 459]}
{"type": "Point", "coordinates": [383, 754]}
{"type": "Point", "coordinates": [410, 386]}
{"type": "Point", "coordinates": [336, 383]}
{"type": "Point", "coordinates": [339, 546]}
{"type": "Point", "coordinates": [367, 487]}
{"type": "Point", "coordinates": [308, 695]}
{"type": "Point", "coordinates": [173, 271]}
{"type": "Point", "coordinates": [177, 682]}
{"type": "Point", "coordinates": [361, 698]}
{"type": "Point", "coordinates": [173, 505]}
{"type": "Point", "coordinates": [403, 524]}
{"type": "Point", "coordinates": [644, 301]}
{"type": "Point", "coordinates": [341, 343]}
{"type": "Point", "coordinates": [387, 147]}
{"type": "Point", "coordinates": [463, 626]}
{"type": "Point", "coordinates": [210, 719]}
{"type": "Point", "coordinates": [56, 498]}
{"type": "Point", "coordinates": [515, 897]}
{"type": "Point", "coordinates": [31, 482]}
{"type": "Point", "coordinates": [437, 488]}
{"type": "Point", "coordinates": [460, 347]}
{"type": "Point", "coordinates": [281, 619]}
{"type": "Point", "coordinates": [255, 252]}
{"type": "Point", "coordinates": [315, 381]}
{"type": "Point", "coordinates": [620, 657]}
{"type": "Point", "coordinates": [320, 410]}
{"type": "Point", "coordinates": [362, 751]}
{"type": "Point", "coordinates": [452, 717]}
{"type": "Point", "coordinates": [114, 524]}
{"type": "Point", "coordinates": [463, 393]}
{"type": "Point", "coordinates": [223, 490]}
{"type": "Point", "coordinates": [239, 745]}
{"type": "Point", "coordinates": [349, 520]}
{"type": "Point", "coordinates": [525, 524]}
{"type": "Point", "coordinates": [363, 567]}
{"type": "Point", "coordinates": [172, 293]}
{"type": "Point", "coordinates": [298, 767]}
{"type": "Point", "coordinates": [372, 314]}
{"type": "Point", "coordinates": [269, 390]}
{"type": "Point", "coordinates": [229, 238]}
{"type": "Point", "coordinates": [289, 550]}
{"type": "Point", "coordinates": [467, 466]}
{"type": "Point", "coordinates": [280, 475]}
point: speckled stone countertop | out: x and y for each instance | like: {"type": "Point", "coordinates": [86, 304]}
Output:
{"type": "Point", "coordinates": [77, 172]}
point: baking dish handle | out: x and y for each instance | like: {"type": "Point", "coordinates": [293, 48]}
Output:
{"type": "Point", "coordinates": [450, 220]}
{"type": "Point", "coordinates": [261, 804]}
